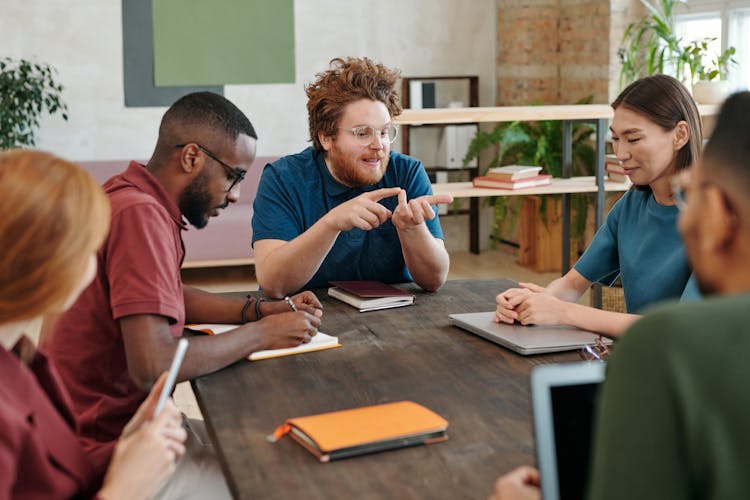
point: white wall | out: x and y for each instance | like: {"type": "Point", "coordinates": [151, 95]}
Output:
{"type": "Point", "coordinates": [83, 40]}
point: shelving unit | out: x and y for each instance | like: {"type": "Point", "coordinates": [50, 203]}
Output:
{"type": "Point", "coordinates": [597, 114]}
{"type": "Point", "coordinates": [470, 94]}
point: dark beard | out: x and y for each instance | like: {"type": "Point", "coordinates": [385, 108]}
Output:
{"type": "Point", "coordinates": [196, 202]}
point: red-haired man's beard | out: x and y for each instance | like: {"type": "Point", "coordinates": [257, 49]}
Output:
{"type": "Point", "coordinates": [363, 170]}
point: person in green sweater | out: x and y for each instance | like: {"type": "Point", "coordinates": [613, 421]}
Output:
{"type": "Point", "coordinates": [672, 419]}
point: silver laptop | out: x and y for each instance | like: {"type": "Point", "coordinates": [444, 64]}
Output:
{"type": "Point", "coordinates": [564, 399]}
{"type": "Point", "coordinates": [525, 339]}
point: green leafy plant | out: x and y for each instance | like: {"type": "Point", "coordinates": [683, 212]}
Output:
{"type": "Point", "coordinates": [535, 143]}
{"type": "Point", "coordinates": [650, 45]}
{"type": "Point", "coordinates": [718, 67]}
{"type": "Point", "coordinates": [27, 90]}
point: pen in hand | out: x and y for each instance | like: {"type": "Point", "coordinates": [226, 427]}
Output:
{"type": "Point", "coordinates": [291, 303]}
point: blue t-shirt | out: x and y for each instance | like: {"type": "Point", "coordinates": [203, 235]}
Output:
{"type": "Point", "coordinates": [297, 190]}
{"type": "Point", "coordinates": [640, 241]}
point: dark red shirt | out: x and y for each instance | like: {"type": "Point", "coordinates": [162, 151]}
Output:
{"type": "Point", "coordinates": [138, 273]}
{"type": "Point", "coordinates": [40, 455]}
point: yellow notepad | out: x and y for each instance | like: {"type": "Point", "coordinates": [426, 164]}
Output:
{"type": "Point", "coordinates": [319, 342]}
{"type": "Point", "coordinates": [370, 429]}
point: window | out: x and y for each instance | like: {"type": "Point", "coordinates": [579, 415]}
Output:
{"type": "Point", "coordinates": [739, 27]}
{"type": "Point", "coordinates": [726, 20]}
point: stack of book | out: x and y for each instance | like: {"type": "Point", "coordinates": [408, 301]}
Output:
{"type": "Point", "coordinates": [370, 295]}
{"type": "Point", "coordinates": [614, 169]}
{"type": "Point", "coordinates": [513, 177]}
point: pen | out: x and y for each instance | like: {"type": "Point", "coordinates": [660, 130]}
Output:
{"type": "Point", "coordinates": [291, 304]}
{"type": "Point", "coordinates": [172, 376]}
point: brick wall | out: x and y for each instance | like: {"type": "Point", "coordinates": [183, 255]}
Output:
{"type": "Point", "coordinates": [559, 51]}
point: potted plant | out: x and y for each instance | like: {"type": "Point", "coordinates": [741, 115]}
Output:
{"type": "Point", "coordinates": [536, 143]}
{"type": "Point", "coordinates": [710, 85]}
{"type": "Point", "coordinates": [27, 90]}
{"type": "Point", "coordinates": [650, 45]}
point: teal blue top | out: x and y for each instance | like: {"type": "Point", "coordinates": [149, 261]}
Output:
{"type": "Point", "coordinates": [640, 242]}
{"type": "Point", "coordinates": [674, 409]}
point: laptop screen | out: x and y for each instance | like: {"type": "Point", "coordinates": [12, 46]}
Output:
{"type": "Point", "coordinates": [564, 399]}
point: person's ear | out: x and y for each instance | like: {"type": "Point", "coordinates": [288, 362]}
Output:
{"type": "Point", "coordinates": [191, 159]}
{"type": "Point", "coordinates": [722, 221]}
{"type": "Point", "coordinates": [681, 134]}
{"type": "Point", "coordinates": [326, 141]}
{"type": "Point", "coordinates": [188, 157]}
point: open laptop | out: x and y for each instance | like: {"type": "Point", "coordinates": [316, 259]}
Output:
{"type": "Point", "coordinates": [564, 399]}
{"type": "Point", "coordinates": [525, 339]}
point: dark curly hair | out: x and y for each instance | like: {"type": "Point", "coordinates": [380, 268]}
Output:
{"type": "Point", "coordinates": [348, 80]}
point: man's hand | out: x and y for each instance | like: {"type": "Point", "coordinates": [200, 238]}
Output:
{"type": "Point", "coordinates": [288, 329]}
{"type": "Point", "coordinates": [304, 301]}
{"type": "Point", "coordinates": [414, 212]}
{"type": "Point", "coordinates": [146, 453]}
{"type": "Point", "coordinates": [363, 212]}
{"type": "Point", "coordinates": [519, 484]}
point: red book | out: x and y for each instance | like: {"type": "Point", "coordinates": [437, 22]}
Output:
{"type": "Point", "coordinates": [370, 295]}
{"type": "Point", "coordinates": [493, 183]}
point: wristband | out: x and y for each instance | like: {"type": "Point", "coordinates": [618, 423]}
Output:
{"type": "Point", "coordinates": [250, 300]}
{"type": "Point", "coordinates": [258, 315]}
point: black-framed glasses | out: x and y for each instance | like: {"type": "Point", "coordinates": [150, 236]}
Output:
{"type": "Point", "coordinates": [365, 134]}
{"type": "Point", "coordinates": [598, 351]}
{"type": "Point", "coordinates": [237, 174]}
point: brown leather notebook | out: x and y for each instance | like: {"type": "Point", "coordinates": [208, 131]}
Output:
{"type": "Point", "coordinates": [370, 295]}
{"type": "Point", "coordinates": [370, 429]}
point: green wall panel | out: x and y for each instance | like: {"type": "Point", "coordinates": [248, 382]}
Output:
{"type": "Point", "coordinates": [218, 42]}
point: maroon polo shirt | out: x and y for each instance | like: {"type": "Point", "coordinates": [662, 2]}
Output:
{"type": "Point", "coordinates": [138, 273]}
{"type": "Point", "coordinates": [40, 455]}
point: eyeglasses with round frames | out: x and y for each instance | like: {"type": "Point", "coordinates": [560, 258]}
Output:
{"type": "Point", "coordinates": [365, 134]}
{"type": "Point", "coordinates": [237, 174]}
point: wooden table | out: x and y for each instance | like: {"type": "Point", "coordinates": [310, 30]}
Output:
{"type": "Point", "coordinates": [410, 353]}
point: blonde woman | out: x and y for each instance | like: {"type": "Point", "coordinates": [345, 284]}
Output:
{"type": "Point", "coordinates": [54, 217]}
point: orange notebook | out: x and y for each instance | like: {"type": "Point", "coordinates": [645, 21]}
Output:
{"type": "Point", "coordinates": [370, 429]}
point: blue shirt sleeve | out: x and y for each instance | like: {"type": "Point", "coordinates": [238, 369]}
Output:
{"type": "Point", "coordinates": [275, 215]}
{"type": "Point", "coordinates": [600, 263]}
